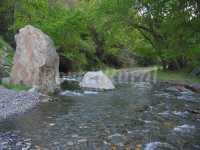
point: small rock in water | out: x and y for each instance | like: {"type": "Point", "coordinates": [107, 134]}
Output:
{"type": "Point", "coordinates": [70, 93]}
{"type": "Point", "coordinates": [70, 143]}
{"type": "Point", "coordinates": [82, 140]}
{"type": "Point", "coordinates": [159, 145]}
{"type": "Point", "coordinates": [165, 113]}
{"type": "Point", "coordinates": [27, 140]}
{"type": "Point", "coordinates": [74, 135]}
{"type": "Point", "coordinates": [196, 88]}
{"type": "Point", "coordinates": [105, 142]}
{"type": "Point", "coordinates": [90, 92]}
{"type": "Point", "coordinates": [196, 71]}
{"type": "Point", "coordinates": [172, 89]}
{"type": "Point", "coordinates": [18, 143]}
{"type": "Point", "coordinates": [184, 128]}
{"type": "Point", "coordinates": [114, 135]}
{"type": "Point", "coordinates": [52, 124]}
{"type": "Point", "coordinates": [116, 139]}
{"type": "Point", "coordinates": [181, 114]}
{"type": "Point", "coordinates": [188, 98]}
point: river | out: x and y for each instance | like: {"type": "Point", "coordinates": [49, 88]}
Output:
{"type": "Point", "coordinates": [139, 116]}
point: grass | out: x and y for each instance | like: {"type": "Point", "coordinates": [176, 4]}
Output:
{"type": "Point", "coordinates": [180, 76]}
{"type": "Point", "coordinates": [110, 72]}
{"type": "Point", "coordinates": [15, 87]}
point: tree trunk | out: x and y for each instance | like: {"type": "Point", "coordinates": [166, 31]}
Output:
{"type": "Point", "coordinates": [99, 43]}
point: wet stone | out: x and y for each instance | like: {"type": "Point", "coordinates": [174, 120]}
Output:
{"type": "Point", "coordinates": [70, 143]}
{"type": "Point", "coordinates": [117, 139]}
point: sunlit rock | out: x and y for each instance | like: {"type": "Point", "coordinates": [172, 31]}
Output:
{"type": "Point", "coordinates": [36, 62]}
{"type": "Point", "coordinates": [96, 80]}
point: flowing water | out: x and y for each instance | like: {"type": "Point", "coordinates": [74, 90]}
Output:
{"type": "Point", "coordinates": [134, 116]}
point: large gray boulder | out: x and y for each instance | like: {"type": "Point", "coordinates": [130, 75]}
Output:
{"type": "Point", "coordinates": [36, 62]}
{"type": "Point", "coordinates": [96, 80]}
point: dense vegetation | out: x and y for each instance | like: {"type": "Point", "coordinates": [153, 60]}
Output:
{"type": "Point", "coordinates": [119, 33]}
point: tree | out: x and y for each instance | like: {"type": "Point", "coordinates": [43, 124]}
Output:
{"type": "Point", "coordinates": [170, 27]}
{"type": "Point", "coordinates": [7, 19]}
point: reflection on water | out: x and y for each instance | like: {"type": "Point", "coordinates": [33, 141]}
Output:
{"type": "Point", "coordinates": [142, 116]}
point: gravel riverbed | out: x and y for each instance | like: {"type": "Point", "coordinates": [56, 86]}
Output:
{"type": "Point", "coordinates": [13, 102]}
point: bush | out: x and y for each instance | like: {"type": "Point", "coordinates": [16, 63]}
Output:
{"type": "Point", "coordinates": [6, 56]}
{"type": "Point", "coordinates": [84, 35]}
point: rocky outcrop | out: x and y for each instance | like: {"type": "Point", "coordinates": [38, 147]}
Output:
{"type": "Point", "coordinates": [36, 62]}
{"type": "Point", "coordinates": [96, 80]}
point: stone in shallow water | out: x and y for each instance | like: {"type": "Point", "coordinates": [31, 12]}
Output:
{"type": "Point", "coordinates": [74, 135]}
{"type": "Point", "coordinates": [184, 128]}
{"type": "Point", "coordinates": [70, 143]}
{"type": "Point", "coordinates": [158, 146]}
{"type": "Point", "coordinates": [52, 124]}
{"type": "Point", "coordinates": [82, 140]}
{"type": "Point", "coordinates": [90, 92]}
{"type": "Point", "coordinates": [180, 113]}
{"type": "Point", "coordinates": [117, 139]}
{"type": "Point", "coordinates": [70, 93]}
{"type": "Point", "coordinates": [196, 87]}
{"type": "Point", "coordinates": [96, 80]}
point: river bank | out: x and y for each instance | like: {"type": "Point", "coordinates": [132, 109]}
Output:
{"type": "Point", "coordinates": [177, 76]}
{"type": "Point", "coordinates": [14, 102]}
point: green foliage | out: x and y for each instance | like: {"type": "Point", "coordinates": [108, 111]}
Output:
{"type": "Point", "coordinates": [6, 52]}
{"type": "Point", "coordinates": [30, 12]}
{"type": "Point", "coordinates": [172, 29]}
{"type": "Point", "coordinates": [6, 56]}
{"type": "Point", "coordinates": [84, 35]}
{"type": "Point", "coordinates": [110, 72]}
{"type": "Point", "coordinates": [6, 19]}
{"type": "Point", "coordinates": [93, 34]}
{"type": "Point", "coordinates": [15, 87]}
